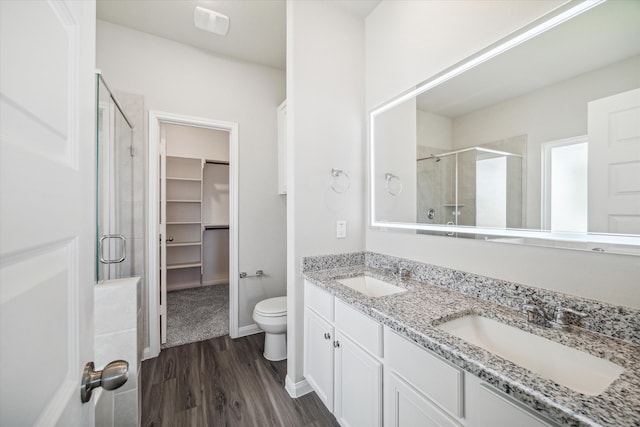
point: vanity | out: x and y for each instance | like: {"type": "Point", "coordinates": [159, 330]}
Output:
{"type": "Point", "coordinates": [402, 358]}
{"type": "Point", "coordinates": [476, 152]}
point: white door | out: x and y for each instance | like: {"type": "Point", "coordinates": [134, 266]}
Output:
{"type": "Point", "coordinates": [614, 163]}
{"type": "Point", "coordinates": [47, 209]}
{"type": "Point", "coordinates": [318, 356]}
{"type": "Point", "coordinates": [404, 406]}
{"type": "Point", "coordinates": [163, 235]}
{"type": "Point", "coordinates": [358, 385]}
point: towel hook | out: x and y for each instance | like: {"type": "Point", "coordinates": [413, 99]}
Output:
{"type": "Point", "coordinates": [334, 181]}
{"type": "Point", "coordinates": [394, 188]}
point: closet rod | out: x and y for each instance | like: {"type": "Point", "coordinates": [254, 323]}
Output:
{"type": "Point", "coordinates": [217, 162]}
{"type": "Point", "coordinates": [216, 227]}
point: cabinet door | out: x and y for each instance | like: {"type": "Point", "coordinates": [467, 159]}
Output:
{"type": "Point", "coordinates": [358, 400]}
{"type": "Point", "coordinates": [318, 356]}
{"type": "Point", "coordinates": [487, 406]}
{"type": "Point", "coordinates": [404, 406]}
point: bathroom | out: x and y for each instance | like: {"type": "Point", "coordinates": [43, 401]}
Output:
{"type": "Point", "coordinates": [376, 53]}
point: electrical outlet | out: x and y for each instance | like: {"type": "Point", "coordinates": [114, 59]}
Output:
{"type": "Point", "coordinates": [341, 229]}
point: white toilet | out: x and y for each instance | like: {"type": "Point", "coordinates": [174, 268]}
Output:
{"type": "Point", "coordinates": [271, 316]}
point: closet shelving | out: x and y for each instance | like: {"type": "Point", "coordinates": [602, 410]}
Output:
{"type": "Point", "coordinates": [192, 209]}
{"type": "Point", "coordinates": [215, 217]}
{"type": "Point", "coordinates": [184, 221]}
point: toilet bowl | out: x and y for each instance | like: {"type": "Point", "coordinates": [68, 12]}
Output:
{"type": "Point", "coordinates": [271, 316]}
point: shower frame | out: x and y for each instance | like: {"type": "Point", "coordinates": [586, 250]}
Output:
{"type": "Point", "coordinates": [438, 157]}
{"type": "Point", "coordinates": [108, 222]}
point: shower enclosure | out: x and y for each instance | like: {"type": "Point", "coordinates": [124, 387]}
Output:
{"type": "Point", "coordinates": [119, 189]}
{"type": "Point", "coordinates": [474, 186]}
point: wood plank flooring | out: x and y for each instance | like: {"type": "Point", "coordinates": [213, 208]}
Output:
{"type": "Point", "coordinates": [223, 382]}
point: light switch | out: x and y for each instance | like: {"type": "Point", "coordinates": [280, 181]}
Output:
{"type": "Point", "coordinates": [341, 229]}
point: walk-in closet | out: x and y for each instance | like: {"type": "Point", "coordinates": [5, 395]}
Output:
{"type": "Point", "coordinates": [194, 219]}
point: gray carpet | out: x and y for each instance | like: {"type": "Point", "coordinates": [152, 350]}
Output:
{"type": "Point", "coordinates": [197, 314]}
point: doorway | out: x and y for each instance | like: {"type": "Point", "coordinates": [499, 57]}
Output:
{"type": "Point", "coordinates": [193, 205]}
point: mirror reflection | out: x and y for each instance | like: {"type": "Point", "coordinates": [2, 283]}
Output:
{"type": "Point", "coordinates": [545, 136]}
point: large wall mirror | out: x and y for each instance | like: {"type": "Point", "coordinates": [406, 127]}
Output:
{"type": "Point", "coordinates": [534, 140]}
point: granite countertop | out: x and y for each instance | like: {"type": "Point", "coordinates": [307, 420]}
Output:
{"type": "Point", "coordinates": [416, 314]}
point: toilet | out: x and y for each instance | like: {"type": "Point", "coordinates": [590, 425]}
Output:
{"type": "Point", "coordinates": [271, 316]}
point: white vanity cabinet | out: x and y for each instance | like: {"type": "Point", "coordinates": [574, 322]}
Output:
{"type": "Point", "coordinates": [421, 389]}
{"type": "Point", "coordinates": [342, 361]}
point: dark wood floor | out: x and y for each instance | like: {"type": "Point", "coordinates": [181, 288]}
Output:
{"type": "Point", "coordinates": [223, 382]}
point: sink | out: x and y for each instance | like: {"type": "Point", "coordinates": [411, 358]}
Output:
{"type": "Point", "coordinates": [370, 286]}
{"type": "Point", "coordinates": [567, 366]}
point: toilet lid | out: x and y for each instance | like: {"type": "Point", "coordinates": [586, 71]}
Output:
{"type": "Point", "coordinates": [272, 307]}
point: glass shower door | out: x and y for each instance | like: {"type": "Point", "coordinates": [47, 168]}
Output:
{"type": "Point", "coordinates": [115, 166]}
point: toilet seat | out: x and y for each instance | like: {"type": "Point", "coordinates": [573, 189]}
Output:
{"type": "Point", "coordinates": [272, 307]}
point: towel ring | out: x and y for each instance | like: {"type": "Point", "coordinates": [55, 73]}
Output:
{"type": "Point", "coordinates": [338, 176]}
{"type": "Point", "coordinates": [393, 184]}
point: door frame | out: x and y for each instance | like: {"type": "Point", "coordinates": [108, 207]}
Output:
{"type": "Point", "coordinates": [156, 118]}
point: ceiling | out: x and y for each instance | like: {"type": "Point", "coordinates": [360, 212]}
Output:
{"type": "Point", "coordinates": [599, 37]}
{"type": "Point", "coordinates": [257, 30]}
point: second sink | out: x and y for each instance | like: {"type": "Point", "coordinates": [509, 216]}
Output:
{"type": "Point", "coordinates": [565, 365]}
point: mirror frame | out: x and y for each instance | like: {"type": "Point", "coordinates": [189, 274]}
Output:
{"type": "Point", "coordinates": [547, 22]}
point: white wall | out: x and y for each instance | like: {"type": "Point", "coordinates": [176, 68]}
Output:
{"type": "Point", "coordinates": [325, 130]}
{"type": "Point", "coordinates": [433, 131]}
{"type": "Point", "coordinates": [395, 153]}
{"type": "Point", "coordinates": [199, 143]}
{"type": "Point", "coordinates": [408, 42]}
{"type": "Point", "coordinates": [179, 79]}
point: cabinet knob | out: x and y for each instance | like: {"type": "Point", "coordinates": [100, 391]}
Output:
{"type": "Point", "coordinates": [327, 336]}
{"type": "Point", "coordinates": [336, 344]}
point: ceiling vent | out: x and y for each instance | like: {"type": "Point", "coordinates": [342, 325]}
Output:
{"type": "Point", "coordinates": [211, 21]}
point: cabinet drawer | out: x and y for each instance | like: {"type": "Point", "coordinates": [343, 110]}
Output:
{"type": "Point", "coordinates": [487, 406]}
{"type": "Point", "coordinates": [318, 300]}
{"type": "Point", "coordinates": [429, 374]}
{"type": "Point", "coordinates": [359, 327]}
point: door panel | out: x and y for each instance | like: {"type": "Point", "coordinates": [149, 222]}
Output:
{"type": "Point", "coordinates": [47, 209]}
{"type": "Point", "coordinates": [358, 385]}
{"type": "Point", "coordinates": [318, 356]}
{"type": "Point", "coordinates": [404, 406]}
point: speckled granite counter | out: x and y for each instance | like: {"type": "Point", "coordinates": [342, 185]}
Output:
{"type": "Point", "coordinates": [417, 313]}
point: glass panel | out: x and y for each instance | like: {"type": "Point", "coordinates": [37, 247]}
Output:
{"type": "Point", "coordinates": [116, 221]}
{"type": "Point", "coordinates": [491, 192]}
{"type": "Point", "coordinates": [569, 188]}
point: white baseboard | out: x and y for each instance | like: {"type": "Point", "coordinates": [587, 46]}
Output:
{"type": "Point", "coordinates": [148, 354]}
{"type": "Point", "coordinates": [298, 389]}
{"type": "Point", "coordinates": [243, 331]}
{"type": "Point", "coordinates": [215, 282]}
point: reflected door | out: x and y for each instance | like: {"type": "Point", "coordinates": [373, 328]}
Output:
{"type": "Point", "coordinates": [614, 163]}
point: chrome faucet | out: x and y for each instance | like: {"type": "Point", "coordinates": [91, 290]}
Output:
{"type": "Point", "coordinates": [563, 316]}
{"type": "Point", "coordinates": [404, 272]}
{"type": "Point", "coordinates": [391, 270]}
{"type": "Point", "coordinates": [535, 315]}
{"type": "Point", "coordinates": [399, 272]}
